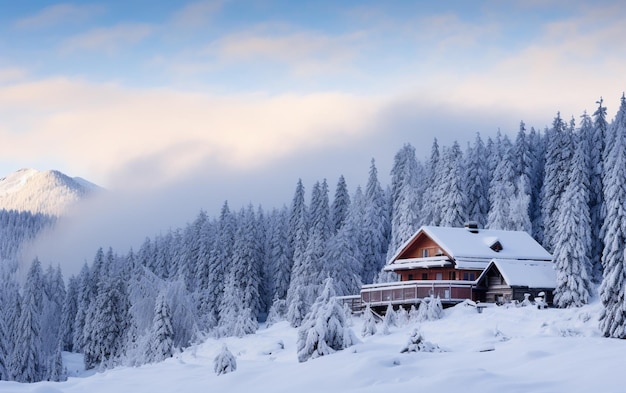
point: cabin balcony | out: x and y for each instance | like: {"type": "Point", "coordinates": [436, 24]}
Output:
{"type": "Point", "coordinates": [412, 292]}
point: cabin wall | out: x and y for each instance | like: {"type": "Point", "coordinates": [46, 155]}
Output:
{"type": "Point", "coordinates": [423, 244]}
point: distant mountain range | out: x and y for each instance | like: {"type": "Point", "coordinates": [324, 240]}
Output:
{"type": "Point", "coordinates": [49, 192]}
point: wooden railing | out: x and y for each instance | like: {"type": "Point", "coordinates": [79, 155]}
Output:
{"type": "Point", "coordinates": [411, 292]}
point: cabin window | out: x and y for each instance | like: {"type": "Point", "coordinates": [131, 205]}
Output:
{"type": "Point", "coordinates": [424, 276]}
{"type": "Point", "coordinates": [410, 277]}
{"type": "Point", "coordinates": [469, 276]}
{"type": "Point", "coordinates": [497, 246]}
{"type": "Point", "coordinates": [451, 275]}
{"type": "Point", "coordinates": [424, 253]}
{"type": "Point", "coordinates": [439, 276]}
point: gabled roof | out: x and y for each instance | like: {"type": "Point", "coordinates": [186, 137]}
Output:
{"type": "Point", "coordinates": [461, 243]}
{"type": "Point", "coordinates": [532, 274]}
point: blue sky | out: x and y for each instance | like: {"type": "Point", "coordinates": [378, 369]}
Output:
{"type": "Point", "coordinates": [144, 95]}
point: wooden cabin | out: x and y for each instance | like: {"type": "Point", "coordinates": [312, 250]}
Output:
{"type": "Point", "coordinates": [450, 262]}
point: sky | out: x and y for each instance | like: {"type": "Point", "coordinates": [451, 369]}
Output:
{"type": "Point", "coordinates": [195, 103]}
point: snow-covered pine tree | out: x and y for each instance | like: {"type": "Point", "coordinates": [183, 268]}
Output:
{"type": "Point", "coordinates": [55, 370]}
{"type": "Point", "coordinates": [84, 296]}
{"type": "Point", "coordinates": [309, 267]}
{"type": "Point", "coordinates": [536, 145]}
{"type": "Point", "coordinates": [597, 138]}
{"type": "Point", "coordinates": [477, 187]}
{"type": "Point", "coordinates": [613, 286]}
{"type": "Point", "coordinates": [279, 253]}
{"type": "Point", "coordinates": [184, 315]}
{"type": "Point", "coordinates": [109, 322]}
{"type": "Point", "coordinates": [430, 213]}
{"type": "Point", "coordinates": [27, 363]}
{"type": "Point", "coordinates": [376, 227]}
{"type": "Point", "coordinates": [240, 304]}
{"type": "Point", "coordinates": [369, 322]}
{"type": "Point", "coordinates": [451, 192]}
{"type": "Point", "coordinates": [519, 217]}
{"type": "Point", "coordinates": [558, 156]}
{"type": "Point", "coordinates": [298, 239]}
{"type": "Point", "coordinates": [404, 197]}
{"type": "Point", "coordinates": [324, 329]}
{"type": "Point", "coordinates": [68, 315]}
{"type": "Point", "coordinates": [572, 244]}
{"type": "Point", "coordinates": [5, 336]}
{"type": "Point", "coordinates": [211, 283]}
{"type": "Point", "coordinates": [162, 333]}
{"type": "Point", "coordinates": [225, 362]}
{"type": "Point", "coordinates": [343, 255]}
{"type": "Point", "coordinates": [341, 204]}
{"type": "Point", "coordinates": [52, 312]}
{"type": "Point", "coordinates": [501, 192]}
{"type": "Point", "coordinates": [196, 237]}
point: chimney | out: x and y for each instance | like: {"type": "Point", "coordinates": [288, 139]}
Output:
{"type": "Point", "coordinates": [471, 226]}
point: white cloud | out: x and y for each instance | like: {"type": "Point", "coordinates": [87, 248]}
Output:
{"type": "Point", "coordinates": [108, 39]}
{"type": "Point", "coordinates": [196, 14]}
{"type": "Point", "coordinates": [305, 52]}
{"type": "Point", "coordinates": [12, 74]}
{"type": "Point", "coordinates": [108, 129]}
{"type": "Point", "coordinates": [59, 14]}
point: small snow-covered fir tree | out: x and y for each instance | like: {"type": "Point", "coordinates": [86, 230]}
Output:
{"type": "Point", "coordinates": [225, 362]}
{"type": "Point", "coordinates": [416, 343]}
{"type": "Point", "coordinates": [369, 322]}
{"type": "Point", "coordinates": [435, 308]}
{"type": "Point", "coordinates": [402, 316]}
{"type": "Point", "coordinates": [413, 314]}
{"type": "Point", "coordinates": [277, 312]}
{"type": "Point", "coordinates": [389, 320]}
{"type": "Point", "coordinates": [324, 329]}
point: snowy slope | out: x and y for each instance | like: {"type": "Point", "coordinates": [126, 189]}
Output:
{"type": "Point", "coordinates": [499, 350]}
{"type": "Point", "coordinates": [50, 192]}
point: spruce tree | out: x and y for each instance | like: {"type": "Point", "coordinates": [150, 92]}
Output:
{"type": "Point", "coordinates": [404, 197]}
{"type": "Point", "coordinates": [597, 142]}
{"type": "Point", "coordinates": [162, 333]}
{"type": "Point", "coordinates": [298, 240]}
{"type": "Point", "coordinates": [376, 227]}
{"type": "Point", "coordinates": [613, 286]}
{"type": "Point", "coordinates": [341, 204]}
{"type": "Point", "coordinates": [572, 237]}
{"type": "Point", "coordinates": [476, 183]}
{"type": "Point", "coordinates": [452, 198]}
{"type": "Point", "coordinates": [558, 157]}
{"type": "Point", "coordinates": [344, 258]}
{"type": "Point", "coordinates": [27, 363]}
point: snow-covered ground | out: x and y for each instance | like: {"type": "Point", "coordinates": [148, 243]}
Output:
{"type": "Point", "coordinates": [500, 350]}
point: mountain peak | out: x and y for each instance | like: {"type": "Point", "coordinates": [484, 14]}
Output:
{"type": "Point", "coordinates": [49, 192]}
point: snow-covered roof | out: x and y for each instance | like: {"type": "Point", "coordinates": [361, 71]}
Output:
{"type": "Point", "coordinates": [532, 274]}
{"type": "Point", "coordinates": [461, 243]}
{"type": "Point", "coordinates": [413, 263]}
